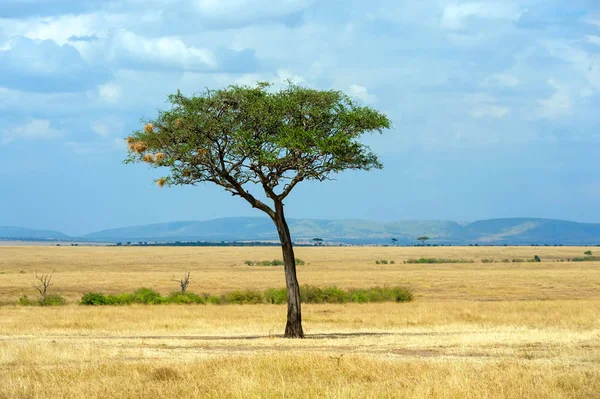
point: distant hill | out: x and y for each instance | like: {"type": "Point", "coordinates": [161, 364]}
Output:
{"type": "Point", "coordinates": [493, 231]}
{"type": "Point", "coordinates": [523, 231]}
{"type": "Point", "coordinates": [20, 233]}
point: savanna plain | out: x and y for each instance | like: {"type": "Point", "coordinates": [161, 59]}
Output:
{"type": "Point", "coordinates": [473, 330]}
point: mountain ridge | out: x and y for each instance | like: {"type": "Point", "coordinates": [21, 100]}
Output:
{"type": "Point", "coordinates": [486, 232]}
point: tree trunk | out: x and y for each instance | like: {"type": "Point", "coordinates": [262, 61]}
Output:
{"type": "Point", "coordinates": [293, 328]}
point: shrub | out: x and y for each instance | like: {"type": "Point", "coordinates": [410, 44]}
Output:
{"type": "Point", "coordinates": [313, 294]}
{"type": "Point", "coordinates": [93, 298]}
{"type": "Point", "coordinates": [25, 301]}
{"type": "Point", "coordinates": [487, 260]}
{"type": "Point", "coordinates": [275, 296]}
{"type": "Point", "coordinates": [274, 262]}
{"type": "Point", "coordinates": [242, 297]}
{"type": "Point", "coordinates": [536, 259]}
{"type": "Point", "coordinates": [586, 259]}
{"type": "Point", "coordinates": [184, 298]}
{"type": "Point", "coordinates": [436, 260]}
{"type": "Point", "coordinates": [147, 296]}
{"type": "Point", "coordinates": [308, 294]}
{"type": "Point", "coordinates": [53, 300]}
{"type": "Point", "coordinates": [588, 253]}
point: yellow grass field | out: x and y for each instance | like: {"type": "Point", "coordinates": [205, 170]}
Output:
{"type": "Point", "coordinates": [474, 330]}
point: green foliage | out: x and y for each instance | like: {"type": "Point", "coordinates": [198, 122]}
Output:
{"type": "Point", "coordinates": [242, 297]}
{"type": "Point", "coordinates": [147, 296]}
{"type": "Point", "coordinates": [274, 262]}
{"type": "Point", "coordinates": [93, 298]}
{"type": "Point", "coordinates": [242, 134]}
{"type": "Point", "coordinates": [423, 239]}
{"type": "Point", "coordinates": [51, 300]}
{"type": "Point", "coordinates": [536, 259]}
{"type": "Point", "coordinates": [487, 260]}
{"type": "Point", "coordinates": [25, 301]}
{"type": "Point", "coordinates": [588, 253]}
{"type": "Point", "coordinates": [436, 260]}
{"type": "Point", "coordinates": [275, 296]}
{"type": "Point", "coordinates": [185, 298]}
{"type": "Point", "coordinates": [586, 259]}
{"type": "Point", "coordinates": [308, 293]}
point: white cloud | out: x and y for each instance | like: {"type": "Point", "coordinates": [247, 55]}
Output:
{"type": "Point", "coordinates": [484, 105]}
{"type": "Point", "coordinates": [169, 52]}
{"type": "Point", "coordinates": [109, 92]}
{"type": "Point", "coordinates": [501, 80]}
{"type": "Point", "coordinates": [284, 75]}
{"type": "Point", "coordinates": [362, 93]}
{"type": "Point", "coordinates": [494, 111]}
{"type": "Point", "coordinates": [36, 129]}
{"type": "Point", "coordinates": [557, 105]}
{"type": "Point", "coordinates": [455, 16]}
{"type": "Point", "coordinates": [593, 39]}
{"type": "Point", "coordinates": [588, 65]}
{"type": "Point", "coordinates": [236, 12]}
{"type": "Point", "coordinates": [108, 127]}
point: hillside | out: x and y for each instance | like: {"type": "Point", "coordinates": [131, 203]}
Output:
{"type": "Point", "coordinates": [523, 231]}
{"type": "Point", "coordinates": [493, 231]}
{"type": "Point", "coordinates": [20, 233]}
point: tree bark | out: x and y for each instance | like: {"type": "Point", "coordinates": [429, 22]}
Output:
{"type": "Point", "coordinates": [293, 327]}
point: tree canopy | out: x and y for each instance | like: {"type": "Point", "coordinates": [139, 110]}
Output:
{"type": "Point", "coordinates": [240, 135]}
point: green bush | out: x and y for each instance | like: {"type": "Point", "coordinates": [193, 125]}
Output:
{"type": "Point", "coordinates": [275, 296]}
{"type": "Point", "coordinates": [242, 297]}
{"type": "Point", "coordinates": [308, 294]}
{"type": "Point", "coordinates": [93, 298]}
{"type": "Point", "coordinates": [586, 259]}
{"type": "Point", "coordinates": [53, 300]}
{"type": "Point", "coordinates": [25, 301]}
{"type": "Point", "coordinates": [536, 259]}
{"type": "Point", "coordinates": [274, 262]}
{"type": "Point", "coordinates": [436, 260]}
{"type": "Point", "coordinates": [588, 253]}
{"type": "Point", "coordinates": [185, 298]}
{"type": "Point", "coordinates": [147, 296]}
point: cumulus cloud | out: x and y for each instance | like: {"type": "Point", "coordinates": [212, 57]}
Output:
{"type": "Point", "coordinates": [35, 129]}
{"type": "Point", "coordinates": [243, 12]}
{"type": "Point", "coordinates": [161, 52]}
{"type": "Point", "coordinates": [486, 106]}
{"type": "Point", "coordinates": [558, 104]}
{"type": "Point", "coordinates": [45, 66]}
{"type": "Point", "coordinates": [501, 80]}
{"type": "Point", "coordinates": [108, 127]}
{"type": "Point", "coordinates": [362, 93]}
{"type": "Point", "coordinates": [456, 16]}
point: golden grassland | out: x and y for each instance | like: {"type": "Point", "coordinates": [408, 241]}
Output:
{"type": "Point", "coordinates": [475, 330]}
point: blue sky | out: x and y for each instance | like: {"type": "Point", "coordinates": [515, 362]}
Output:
{"type": "Point", "coordinates": [494, 103]}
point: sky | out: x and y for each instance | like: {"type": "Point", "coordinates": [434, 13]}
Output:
{"type": "Point", "coordinates": [494, 104]}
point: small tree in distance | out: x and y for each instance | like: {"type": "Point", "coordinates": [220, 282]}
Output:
{"type": "Point", "coordinates": [45, 283]}
{"type": "Point", "coordinates": [183, 282]}
{"type": "Point", "coordinates": [423, 239]}
{"type": "Point", "coordinates": [318, 241]}
{"type": "Point", "coordinates": [249, 138]}
{"type": "Point", "coordinates": [394, 241]}
{"type": "Point", "coordinates": [588, 253]}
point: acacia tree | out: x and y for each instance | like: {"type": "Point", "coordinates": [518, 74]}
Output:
{"type": "Point", "coordinates": [252, 138]}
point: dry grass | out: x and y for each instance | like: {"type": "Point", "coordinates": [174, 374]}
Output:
{"type": "Point", "coordinates": [527, 330]}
